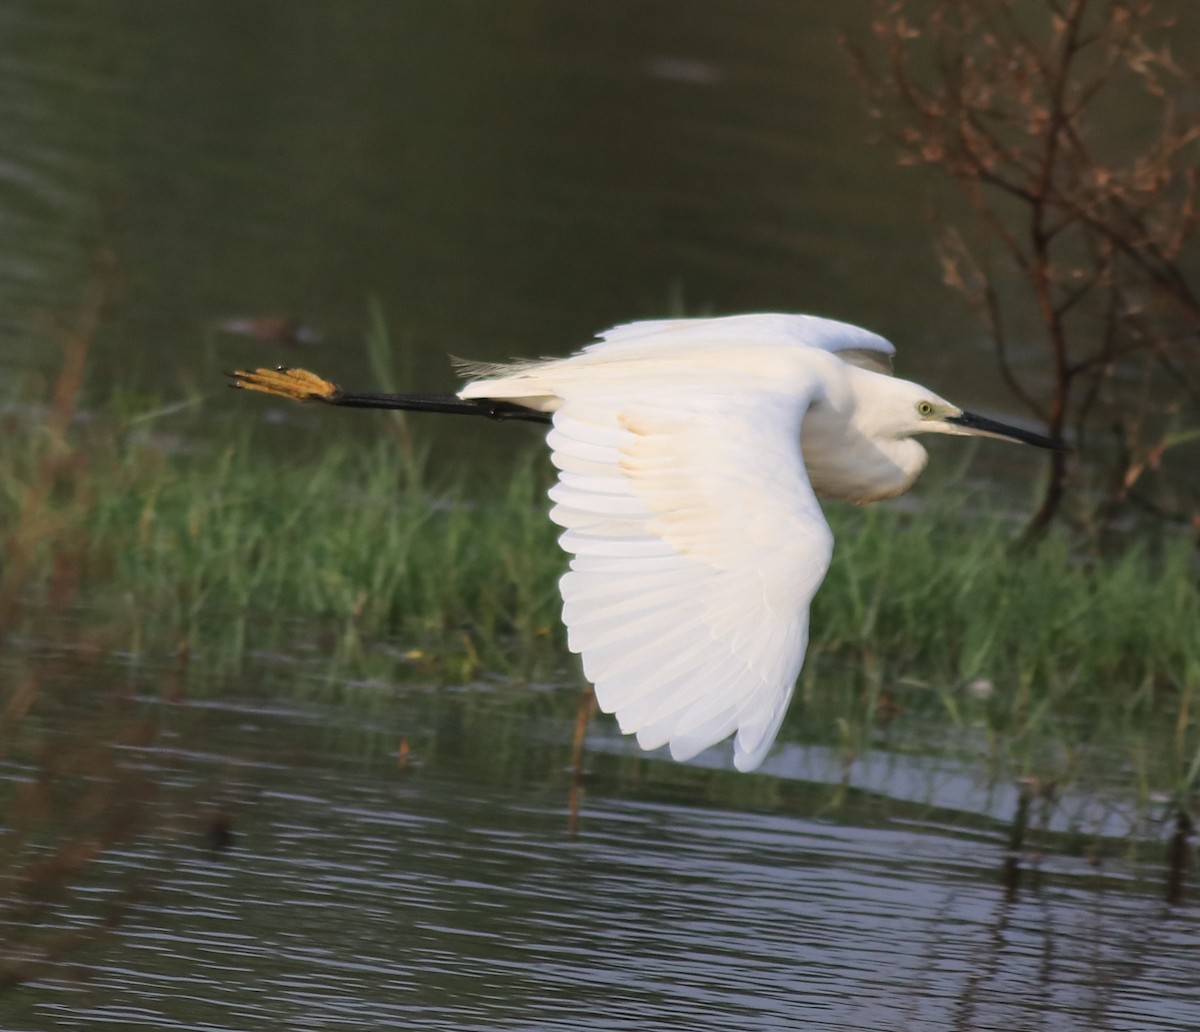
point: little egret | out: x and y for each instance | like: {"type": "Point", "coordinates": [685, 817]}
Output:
{"type": "Point", "coordinates": [690, 454]}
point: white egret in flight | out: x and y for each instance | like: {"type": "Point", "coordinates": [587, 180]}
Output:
{"type": "Point", "coordinates": [690, 454]}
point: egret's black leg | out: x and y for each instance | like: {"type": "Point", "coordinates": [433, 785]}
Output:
{"type": "Point", "coordinates": [301, 385]}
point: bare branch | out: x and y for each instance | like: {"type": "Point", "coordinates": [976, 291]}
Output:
{"type": "Point", "coordinates": [1026, 109]}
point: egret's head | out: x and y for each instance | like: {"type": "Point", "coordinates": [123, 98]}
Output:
{"type": "Point", "coordinates": [902, 409]}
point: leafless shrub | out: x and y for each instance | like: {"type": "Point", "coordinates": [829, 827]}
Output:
{"type": "Point", "coordinates": [1071, 134]}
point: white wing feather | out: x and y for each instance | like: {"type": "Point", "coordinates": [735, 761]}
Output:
{"type": "Point", "coordinates": [696, 539]}
{"type": "Point", "coordinates": [776, 329]}
{"type": "Point", "coordinates": [657, 345]}
{"type": "Point", "coordinates": [697, 546]}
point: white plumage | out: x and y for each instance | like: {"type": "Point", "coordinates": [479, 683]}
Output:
{"type": "Point", "coordinates": [690, 453]}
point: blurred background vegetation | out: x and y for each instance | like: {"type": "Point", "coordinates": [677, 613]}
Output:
{"type": "Point", "coordinates": [363, 190]}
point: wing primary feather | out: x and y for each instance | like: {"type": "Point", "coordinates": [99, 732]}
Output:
{"type": "Point", "coordinates": [696, 539]}
{"type": "Point", "coordinates": [634, 651]}
{"type": "Point", "coordinates": [618, 547]}
{"type": "Point", "coordinates": [662, 698]}
{"type": "Point", "coordinates": [580, 586]}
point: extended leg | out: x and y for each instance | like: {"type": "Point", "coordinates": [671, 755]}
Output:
{"type": "Point", "coordinates": [301, 385]}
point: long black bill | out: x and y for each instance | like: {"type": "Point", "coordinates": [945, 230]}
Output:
{"type": "Point", "coordinates": [991, 428]}
{"type": "Point", "coordinates": [301, 385]}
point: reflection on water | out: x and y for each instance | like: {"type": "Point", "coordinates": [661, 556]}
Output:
{"type": "Point", "coordinates": [507, 178]}
{"type": "Point", "coordinates": [352, 894]}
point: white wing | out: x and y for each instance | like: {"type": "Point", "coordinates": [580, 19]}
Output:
{"type": "Point", "coordinates": [640, 352]}
{"type": "Point", "coordinates": [852, 343]}
{"type": "Point", "coordinates": [697, 546]}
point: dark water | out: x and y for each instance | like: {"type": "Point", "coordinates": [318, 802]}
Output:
{"type": "Point", "coordinates": [338, 891]}
{"type": "Point", "coordinates": [505, 177]}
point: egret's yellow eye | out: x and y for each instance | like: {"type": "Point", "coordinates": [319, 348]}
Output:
{"type": "Point", "coordinates": [924, 408]}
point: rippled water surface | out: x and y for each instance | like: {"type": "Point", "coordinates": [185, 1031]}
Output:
{"type": "Point", "coordinates": [504, 178]}
{"type": "Point", "coordinates": [342, 890]}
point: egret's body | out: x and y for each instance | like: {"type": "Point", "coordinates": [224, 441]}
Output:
{"type": "Point", "coordinates": [690, 454]}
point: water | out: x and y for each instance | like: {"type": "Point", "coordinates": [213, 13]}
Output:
{"type": "Point", "coordinates": [506, 178]}
{"type": "Point", "coordinates": [351, 893]}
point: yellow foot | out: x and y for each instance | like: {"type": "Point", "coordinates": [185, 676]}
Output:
{"type": "Point", "coordinates": [297, 384]}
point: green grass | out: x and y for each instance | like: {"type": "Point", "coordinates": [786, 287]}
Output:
{"type": "Point", "coordinates": [243, 548]}
{"type": "Point", "coordinates": [945, 595]}
{"type": "Point", "coordinates": [359, 562]}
